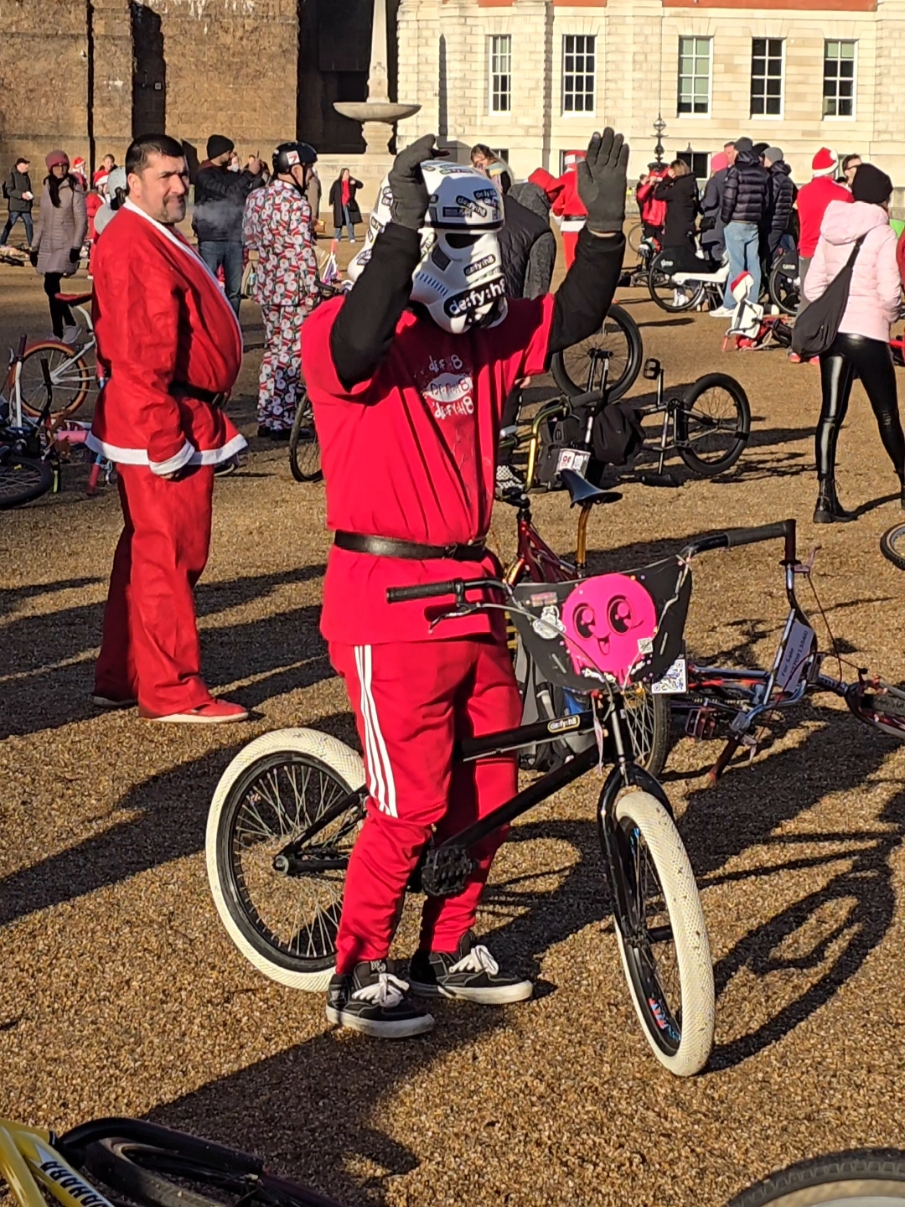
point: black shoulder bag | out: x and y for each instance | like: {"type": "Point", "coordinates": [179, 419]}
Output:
{"type": "Point", "coordinates": [816, 329]}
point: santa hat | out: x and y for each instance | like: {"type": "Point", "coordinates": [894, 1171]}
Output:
{"type": "Point", "coordinates": [572, 159]}
{"type": "Point", "coordinates": [824, 162]}
{"type": "Point", "coordinates": [542, 178]}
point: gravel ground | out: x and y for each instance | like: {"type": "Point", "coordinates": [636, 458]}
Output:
{"type": "Point", "coordinates": [122, 994]}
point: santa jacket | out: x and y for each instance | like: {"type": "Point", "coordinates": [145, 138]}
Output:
{"type": "Point", "coordinates": [167, 342]}
{"type": "Point", "coordinates": [568, 206]}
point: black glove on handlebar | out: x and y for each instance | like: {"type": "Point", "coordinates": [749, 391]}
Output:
{"type": "Point", "coordinates": [602, 182]}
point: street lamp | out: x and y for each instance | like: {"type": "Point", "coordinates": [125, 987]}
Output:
{"type": "Point", "coordinates": [659, 127]}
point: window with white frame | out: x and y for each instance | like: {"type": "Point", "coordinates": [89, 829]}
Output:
{"type": "Point", "coordinates": [694, 75]}
{"type": "Point", "coordinates": [766, 77]}
{"type": "Point", "coordinates": [500, 89]}
{"type": "Point", "coordinates": [839, 78]}
{"type": "Point", "coordinates": [698, 161]}
{"type": "Point", "coordinates": [579, 73]}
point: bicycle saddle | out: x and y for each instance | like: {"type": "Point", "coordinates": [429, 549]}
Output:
{"type": "Point", "coordinates": [581, 491]}
{"type": "Point", "coordinates": [74, 299]}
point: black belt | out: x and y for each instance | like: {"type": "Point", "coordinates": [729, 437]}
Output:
{"type": "Point", "coordinates": [185, 391]}
{"type": "Point", "coordinates": [385, 546]}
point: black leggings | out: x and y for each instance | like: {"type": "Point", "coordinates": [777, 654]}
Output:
{"type": "Point", "coordinates": [854, 356]}
{"type": "Point", "coordinates": [60, 314]}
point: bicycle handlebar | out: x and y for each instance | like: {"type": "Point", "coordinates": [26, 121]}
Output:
{"type": "Point", "coordinates": [734, 537]}
{"type": "Point", "coordinates": [452, 586]}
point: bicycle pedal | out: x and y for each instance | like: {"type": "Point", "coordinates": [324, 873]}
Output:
{"type": "Point", "coordinates": [446, 871]}
{"type": "Point", "coordinates": [701, 724]}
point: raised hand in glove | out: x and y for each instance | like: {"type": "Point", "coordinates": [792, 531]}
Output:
{"type": "Point", "coordinates": [75, 254]}
{"type": "Point", "coordinates": [602, 182]}
{"type": "Point", "coordinates": [407, 185]}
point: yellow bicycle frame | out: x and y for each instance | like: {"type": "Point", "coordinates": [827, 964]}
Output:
{"type": "Point", "coordinates": [28, 1156]}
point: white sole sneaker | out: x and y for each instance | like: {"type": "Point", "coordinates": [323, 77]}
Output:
{"type": "Point", "coordinates": [184, 718]}
{"type": "Point", "coordinates": [398, 1030]}
{"type": "Point", "coordinates": [504, 995]}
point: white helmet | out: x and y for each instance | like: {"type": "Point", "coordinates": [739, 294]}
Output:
{"type": "Point", "coordinates": [460, 277]}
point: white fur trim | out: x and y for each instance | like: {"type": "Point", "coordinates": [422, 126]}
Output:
{"type": "Point", "coordinates": [174, 463]}
{"type": "Point", "coordinates": [139, 456]}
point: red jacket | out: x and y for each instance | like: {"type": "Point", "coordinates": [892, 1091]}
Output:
{"type": "Point", "coordinates": [813, 198]}
{"type": "Point", "coordinates": [900, 256]}
{"type": "Point", "coordinates": [165, 334]}
{"type": "Point", "coordinates": [652, 211]}
{"type": "Point", "coordinates": [568, 206]}
{"type": "Point", "coordinates": [93, 203]}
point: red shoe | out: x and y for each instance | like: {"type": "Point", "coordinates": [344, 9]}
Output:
{"type": "Point", "coordinates": [794, 358]}
{"type": "Point", "coordinates": [815, 360]}
{"type": "Point", "coordinates": [214, 712]}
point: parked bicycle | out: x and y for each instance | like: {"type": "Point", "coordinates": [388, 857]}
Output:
{"type": "Point", "coordinates": [72, 369]}
{"type": "Point", "coordinates": [287, 809]}
{"type": "Point", "coordinates": [676, 288]}
{"type": "Point", "coordinates": [784, 284]}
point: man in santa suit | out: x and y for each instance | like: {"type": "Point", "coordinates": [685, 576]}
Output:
{"type": "Point", "coordinates": [568, 207]}
{"type": "Point", "coordinates": [169, 351]}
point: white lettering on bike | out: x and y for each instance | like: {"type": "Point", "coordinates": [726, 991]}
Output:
{"type": "Point", "coordinates": [84, 1194]}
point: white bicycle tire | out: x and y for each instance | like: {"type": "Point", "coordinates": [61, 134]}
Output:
{"type": "Point", "coordinates": [689, 929]}
{"type": "Point", "coordinates": [345, 763]}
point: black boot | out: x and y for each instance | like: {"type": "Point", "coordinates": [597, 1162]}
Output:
{"type": "Point", "coordinates": [829, 510]}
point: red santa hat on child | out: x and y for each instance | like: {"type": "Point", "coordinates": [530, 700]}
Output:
{"type": "Point", "coordinates": [824, 162]}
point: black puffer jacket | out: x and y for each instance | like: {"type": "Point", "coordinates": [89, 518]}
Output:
{"type": "Point", "coordinates": [681, 196]}
{"type": "Point", "coordinates": [519, 236]}
{"type": "Point", "coordinates": [220, 203]}
{"type": "Point", "coordinates": [18, 183]}
{"type": "Point", "coordinates": [781, 199]}
{"type": "Point", "coordinates": [746, 190]}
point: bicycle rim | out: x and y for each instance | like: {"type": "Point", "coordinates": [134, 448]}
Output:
{"type": "Point", "coordinates": [304, 448]}
{"type": "Point", "coordinates": [892, 545]}
{"type": "Point", "coordinates": [712, 425]}
{"type": "Point", "coordinates": [670, 296]}
{"type": "Point", "coordinates": [22, 479]}
{"type": "Point", "coordinates": [69, 374]}
{"type": "Point", "coordinates": [784, 292]}
{"type": "Point", "coordinates": [619, 337]}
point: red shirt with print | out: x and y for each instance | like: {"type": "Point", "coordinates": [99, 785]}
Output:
{"type": "Point", "coordinates": [410, 453]}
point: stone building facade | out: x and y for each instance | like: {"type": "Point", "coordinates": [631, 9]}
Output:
{"type": "Point", "coordinates": [535, 78]}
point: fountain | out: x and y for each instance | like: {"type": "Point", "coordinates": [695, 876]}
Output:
{"type": "Point", "coordinates": [378, 113]}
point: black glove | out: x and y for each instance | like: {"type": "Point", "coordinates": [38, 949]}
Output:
{"type": "Point", "coordinates": [708, 224]}
{"type": "Point", "coordinates": [602, 182]}
{"type": "Point", "coordinates": [33, 256]}
{"type": "Point", "coordinates": [75, 254]}
{"type": "Point", "coordinates": [407, 185]}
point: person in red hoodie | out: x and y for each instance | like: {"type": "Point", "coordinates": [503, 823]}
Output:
{"type": "Point", "coordinates": [813, 198]}
{"type": "Point", "coordinates": [169, 349]}
{"type": "Point", "coordinates": [653, 210]}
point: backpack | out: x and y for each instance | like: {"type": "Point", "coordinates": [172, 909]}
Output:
{"type": "Point", "coordinates": [816, 328]}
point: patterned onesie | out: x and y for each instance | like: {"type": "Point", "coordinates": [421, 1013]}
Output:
{"type": "Point", "coordinates": [278, 226]}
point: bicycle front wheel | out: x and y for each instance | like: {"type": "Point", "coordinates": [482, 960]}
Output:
{"type": "Point", "coordinates": [22, 479]}
{"type": "Point", "coordinates": [713, 424]}
{"type": "Point", "coordinates": [892, 545]}
{"type": "Point", "coordinates": [304, 449]}
{"type": "Point", "coordinates": [279, 786]}
{"type": "Point", "coordinates": [666, 292]}
{"type": "Point", "coordinates": [70, 377]}
{"type": "Point", "coordinates": [663, 936]}
{"type": "Point", "coordinates": [621, 338]}
{"type": "Point", "coordinates": [869, 1177]}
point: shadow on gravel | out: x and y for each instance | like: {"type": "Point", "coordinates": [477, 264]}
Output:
{"type": "Point", "coordinates": [9, 596]}
{"type": "Point", "coordinates": [46, 695]}
{"type": "Point", "coordinates": [157, 821]}
{"type": "Point", "coordinates": [310, 1111]}
{"type": "Point", "coordinates": [806, 937]}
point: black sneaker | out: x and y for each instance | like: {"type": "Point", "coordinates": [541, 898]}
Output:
{"type": "Point", "coordinates": [470, 973]}
{"type": "Point", "coordinates": [373, 1000]}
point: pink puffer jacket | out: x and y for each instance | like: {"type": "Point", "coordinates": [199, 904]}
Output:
{"type": "Point", "coordinates": [873, 300]}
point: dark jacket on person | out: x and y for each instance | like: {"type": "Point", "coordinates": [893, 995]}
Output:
{"type": "Point", "coordinates": [681, 196]}
{"type": "Point", "coordinates": [336, 200]}
{"type": "Point", "coordinates": [220, 203]}
{"type": "Point", "coordinates": [542, 260]}
{"type": "Point", "coordinates": [519, 236]}
{"type": "Point", "coordinates": [781, 198]}
{"type": "Point", "coordinates": [746, 190]}
{"type": "Point", "coordinates": [18, 183]}
{"type": "Point", "coordinates": [712, 238]}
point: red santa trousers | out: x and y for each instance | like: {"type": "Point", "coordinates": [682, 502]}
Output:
{"type": "Point", "coordinates": [412, 702]}
{"type": "Point", "coordinates": [150, 649]}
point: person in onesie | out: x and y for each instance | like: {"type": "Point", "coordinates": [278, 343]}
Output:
{"type": "Point", "coordinates": [407, 374]}
{"type": "Point", "coordinates": [169, 350]}
{"type": "Point", "coordinates": [277, 225]}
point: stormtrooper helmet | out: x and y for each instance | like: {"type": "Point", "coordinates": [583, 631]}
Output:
{"type": "Point", "coordinates": [459, 279]}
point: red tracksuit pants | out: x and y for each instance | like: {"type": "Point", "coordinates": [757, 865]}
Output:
{"type": "Point", "coordinates": [150, 648]}
{"type": "Point", "coordinates": [412, 702]}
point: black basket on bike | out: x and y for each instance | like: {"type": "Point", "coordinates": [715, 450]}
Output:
{"type": "Point", "coordinates": [620, 628]}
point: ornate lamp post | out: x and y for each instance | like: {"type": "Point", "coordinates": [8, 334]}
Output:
{"type": "Point", "coordinates": [659, 127]}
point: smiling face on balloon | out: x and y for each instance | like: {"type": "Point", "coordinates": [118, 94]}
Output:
{"type": "Point", "coordinates": [604, 620]}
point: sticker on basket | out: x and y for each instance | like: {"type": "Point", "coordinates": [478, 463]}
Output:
{"type": "Point", "coordinates": [542, 598]}
{"type": "Point", "coordinates": [574, 459]}
{"type": "Point", "coordinates": [794, 664]}
{"type": "Point", "coordinates": [548, 626]}
{"type": "Point", "coordinates": [674, 681]}
{"type": "Point", "coordinates": [605, 618]}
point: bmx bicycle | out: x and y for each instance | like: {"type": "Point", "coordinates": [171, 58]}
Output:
{"type": "Point", "coordinates": [286, 811]}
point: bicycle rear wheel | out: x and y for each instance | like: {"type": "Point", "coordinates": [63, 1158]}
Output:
{"type": "Point", "coordinates": [285, 922]}
{"type": "Point", "coordinates": [22, 479]}
{"type": "Point", "coordinates": [158, 1177]}
{"type": "Point", "coordinates": [304, 449]}
{"type": "Point", "coordinates": [864, 1177]}
{"type": "Point", "coordinates": [713, 424]}
{"type": "Point", "coordinates": [666, 293]}
{"type": "Point", "coordinates": [69, 374]}
{"type": "Point", "coordinates": [619, 336]}
{"type": "Point", "coordinates": [892, 545]}
{"type": "Point", "coordinates": [663, 936]}
{"type": "Point", "coordinates": [783, 289]}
